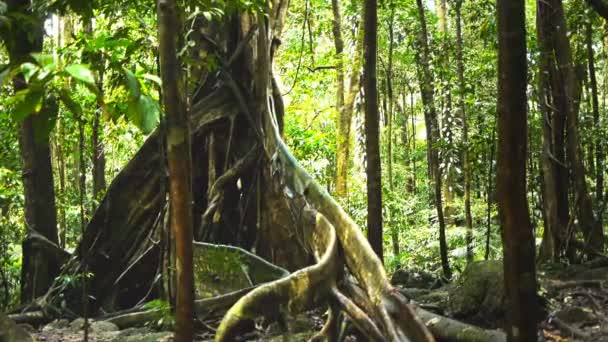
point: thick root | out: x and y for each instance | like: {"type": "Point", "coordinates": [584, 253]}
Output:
{"type": "Point", "coordinates": [302, 290]}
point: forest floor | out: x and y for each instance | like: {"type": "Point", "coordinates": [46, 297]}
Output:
{"type": "Point", "coordinates": [574, 300]}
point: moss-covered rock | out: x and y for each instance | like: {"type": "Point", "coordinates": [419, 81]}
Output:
{"type": "Point", "coordinates": [10, 332]}
{"type": "Point", "coordinates": [479, 292]}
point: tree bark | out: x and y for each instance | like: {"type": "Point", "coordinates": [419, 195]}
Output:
{"type": "Point", "coordinates": [345, 98]}
{"type": "Point", "coordinates": [38, 271]}
{"type": "Point", "coordinates": [178, 155]}
{"type": "Point", "coordinates": [551, 244]}
{"type": "Point", "coordinates": [518, 238]}
{"type": "Point", "coordinates": [427, 89]}
{"type": "Point", "coordinates": [372, 135]}
{"type": "Point", "coordinates": [597, 143]}
{"type": "Point", "coordinates": [465, 133]}
{"type": "Point", "coordinates": [592, 230]}
{"type": "Point", "coordinates": [390, 117]}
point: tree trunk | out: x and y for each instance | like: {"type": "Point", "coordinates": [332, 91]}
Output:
{"type": "Point", "coordinates": [518, 238]}
{"type": "Point", "coordinates": [98, 156]}
{"type": "Point", "coordinates": [345, 103]}
{"type": "Point", "coordinates": [178, 156]}
{"type": "Point", "coordinates": [390, 117]}
{"type": "Point", "coordinates": [372, 135]}
{"type": "Point", "coordinates": [592, 231]}
{"type": "Point", "coordinates": [427, 89]}
{"type": "Point", "coordinates": [465, 133]}
{"type": "Point", "coordinates": [597, 143]}
{"type": "Point", "coordinates": [551, 244]}
{"type": "Point", "coordinates": [38, 270]}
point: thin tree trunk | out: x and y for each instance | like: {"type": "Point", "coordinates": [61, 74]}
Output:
{"type": "Point", "coordinates": [446, 116]}
{"type": "Point", "coordinates": [390, 118]}
{"type": "Point", "coordinates": [465, 133]}
{"type": "Point", "coordinates": [98, 156]}
{"type": "Point", "coordinates": [38, 270]}
{"type": "Point", "coordinates": [178, 155]}
{"type": "Point", "coordinates": [343, 140]}
{"type": "Point", "coordinates": [372, 122]}
{"type": "Point", "coordinates": [599, 153]}
{"type": "Point", "coordinates": [427, 89]}
{"type": "Point", "coordinates": [489, 194]}
{"type": "Point", "coordinates": [518, 238]}
{"type": "Point", "coordinates": [345, 102]}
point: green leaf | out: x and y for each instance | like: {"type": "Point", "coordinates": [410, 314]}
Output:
{"type": "Point", "coordinates": [27, 102]}
{"type": "Point", "coordinates": [132, 83]}
{"type": "Point", "coordinates": [150, 113]}
{"type": "Point", "coordinates": [43, 59]}
{"type": "Point", "coordinates": [45, 120]}
{"type": "Point", "coordinates": [4, 74]}
{"type": "Point", "coordinates": [28, 69]}
{"type": "Point", "coordinates": [81, 72]}
{"type": "Point", "coordinates": [144, 112]}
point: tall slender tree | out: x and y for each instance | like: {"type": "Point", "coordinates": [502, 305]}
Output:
{"type": "Point", "coordinates": [517, 233]}
{"type": "Point", "coordinates": [427, 90]}
{"type": "Point", "coordinates": [178, 155]}
{"type": "Point", "coordinates": [345, 97]}
{"type": "Point", "coordinates": [465, 131]}
{"type": "Point", "coordinates": [372, 128]}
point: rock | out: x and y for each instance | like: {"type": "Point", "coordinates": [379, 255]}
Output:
{"type": "Point", "coordinates": [77, 324]}
{"type": "Point", "coordinates": [103, 326]}
{"type": "Point", "coordinates": [412, 279]}
{"type": "Point", "coordinates": [27, 327]}
{"type": "Point", "coordinates": [56, 325]}
{"type": "Point", "coordinates": [11, 332]}
{"type": "Point", "coordinates": [479, 293]}
{"type": "Point", "coordinates": [145, 335]}
{"type": "Point", "coordinates": [575, 315]}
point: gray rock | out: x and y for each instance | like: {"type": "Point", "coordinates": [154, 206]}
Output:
{"type": "Point", "coordinates": [77, 324]}
{"type": "Point", "coordinates": [56, 325]}
{"type": "Point", "coordinates": [164, 336]}
{"type": "Point", "coordinates": [103, 326]}
{"type": "Point", "coordinates": [479, 291]}
{"type": "Point", "coordinates": [11, 332]}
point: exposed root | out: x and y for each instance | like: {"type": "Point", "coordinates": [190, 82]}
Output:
{"type": "Point", "coordinates": [398, 321]}
{"type": "Point", "coordinates": [296, 293]}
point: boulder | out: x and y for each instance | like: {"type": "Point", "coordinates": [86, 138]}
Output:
{"type": "Point", "coordinates": [11, 332]}
{"type": "Point", "coordinates": [103, 326]}
{"type": "Point", "coordinates": [414, 279]}
{"type": "Point", "coordinates": [479, 293]}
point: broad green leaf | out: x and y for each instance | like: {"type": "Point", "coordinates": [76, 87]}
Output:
{"type": "Point", "coordinates": [43, 59]}
{"type": "Point", "coordinates": [81, 73]}
{"type": "Point", "coordinates": [4, 75]}
{"type": "Point", "coordinates": [27, 102]}
{"type": "Point", "coordinates": [133, 83]}
{"type": "Point", "coordinates": [45, 120]}
{"type": "Point", "coordinates": [28, 69]}
{"type": "Point", "coordinates": [144, 113]}
{"type": "Point", "coordinates": [150, 113]}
